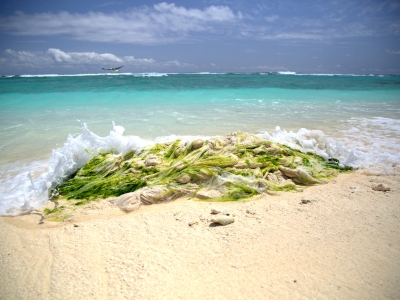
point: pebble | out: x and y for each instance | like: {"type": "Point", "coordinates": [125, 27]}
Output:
{"type": "Point", "coordinates": [380, 187]}
{"type": "Point", "coordinates": [223, 219]}
{"type": "Point", "coordinates": [193, 223]}
{"type": "Point", "coordinates": [215, 211]}
{"type": "Point", "coordinates": [307, 201]}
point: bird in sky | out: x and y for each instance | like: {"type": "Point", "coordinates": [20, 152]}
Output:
{"type": "Point", "coordinates": [113, 69]}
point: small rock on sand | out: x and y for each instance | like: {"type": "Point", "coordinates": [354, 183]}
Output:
{"type": "Point", "coordinates": [380, 187]}
{"type": "Point", "coordinates": [215, 211]}
{"type": "Point", "coordinates": [223, 219]}
{"type": "Point", "coordinates": [307, 201]}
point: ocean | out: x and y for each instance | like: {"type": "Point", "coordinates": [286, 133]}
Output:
{"type": "Point", "coordinates": [52, 124]}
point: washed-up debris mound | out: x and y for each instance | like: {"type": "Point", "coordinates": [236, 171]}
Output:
{"type": "Point", "coordinates": [219, 169]}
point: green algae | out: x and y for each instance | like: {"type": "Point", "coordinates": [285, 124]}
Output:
{"type": "Point", "coordinates": [334, 163]}
{"type": "Point", "coordinates": [240, 166]}
{"type": "Point", "coordinates": [96, 186]}
{"type": "Point", "coordinates": [48, 211]}
{"type": "Point", "coordinates": [57, 214]}
{"type": "Point", "coordinates": [237, 192]}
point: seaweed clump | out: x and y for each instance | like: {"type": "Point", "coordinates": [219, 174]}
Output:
{"type": "Point", "coordinates": [219, 169]}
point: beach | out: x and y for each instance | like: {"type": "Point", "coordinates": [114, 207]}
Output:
{"type": "Point", "coordinates": [341, 244]}
{"type": "Point", "coordinates": [203, 150]}
{"type": "Point", "coordinates": [337, 239]}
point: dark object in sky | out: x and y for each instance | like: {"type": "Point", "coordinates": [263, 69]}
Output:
{"type": "Point", "coordinates": [113, 69]}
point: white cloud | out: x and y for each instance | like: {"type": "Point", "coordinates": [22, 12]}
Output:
{"type": "Point", "coordinates": [139, 60]}
{"type": "Point", "coordinates": [392, 52]}
{"type": "Point", "coordinates": [175, 63]}
{"type": "Point", "coordinates": [56, 58]}
{"type": "Point", "coordinates": [29, 59]}
{"type": "Point", "coordinates": [211, 13]}
{"type": "Point", "coordinates": [292, 36]}
{"type": "Point", "coordinates": [165, 23]}
{"type": "Point", "coordinates": [162, 23]}
{"type": "Point", "coordinates": [82, 57]}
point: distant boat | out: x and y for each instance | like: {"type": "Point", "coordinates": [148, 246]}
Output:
{"type": "Point", "coordinates": [113, 69]}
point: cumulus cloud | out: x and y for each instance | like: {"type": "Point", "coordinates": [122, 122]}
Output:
{"type": "Point", "coordinates": [165, 23]}
{"type": "Point", "coordinates": [162, 23]}
{"type": "Point", "coordinates": [60, 56]}
{"type": "Point", "coordinates": [56, 58]}
{"type": "Point", "coordinates": [30, 59]}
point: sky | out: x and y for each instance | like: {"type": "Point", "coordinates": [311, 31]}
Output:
{"type": "Point", "coordinates": [304, 36]}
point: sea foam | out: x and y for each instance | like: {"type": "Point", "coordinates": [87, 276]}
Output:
{"type": "Point", "coordinates": [23, 193]}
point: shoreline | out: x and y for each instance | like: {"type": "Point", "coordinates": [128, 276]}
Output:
{"type": "Point", "coordinates": [344, 244]}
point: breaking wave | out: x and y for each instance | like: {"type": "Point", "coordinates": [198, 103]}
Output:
{"type": "Point", "coordinates": [89, 74]}
{"type": "Point", "coordinates": [28, 188]}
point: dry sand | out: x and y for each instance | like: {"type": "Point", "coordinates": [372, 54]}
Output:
{"type": "Point", "coordinates": [344, 244]}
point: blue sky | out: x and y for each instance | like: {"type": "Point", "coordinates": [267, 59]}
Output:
{"type": "Point", "coordinates": [69, 37]}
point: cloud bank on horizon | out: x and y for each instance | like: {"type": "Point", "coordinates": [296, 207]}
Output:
{"type": "Point", "coordinates": [70, 60]}
{"type": "Point", "coordinates": [311, 36]}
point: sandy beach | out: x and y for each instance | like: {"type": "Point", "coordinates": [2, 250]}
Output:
{"type": "Point", "coordinates": [200, 150]}
{"type": "Point", "coordinates": [343, 244]}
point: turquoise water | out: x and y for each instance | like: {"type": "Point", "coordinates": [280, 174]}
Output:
{"type": "Point", "coordinates": [38, 113]}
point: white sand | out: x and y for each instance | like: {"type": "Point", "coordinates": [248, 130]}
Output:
{"type": "Point", "coordinates": [345, 245]}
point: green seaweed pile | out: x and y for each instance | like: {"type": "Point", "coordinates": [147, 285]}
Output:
{"type": "Point", "coordinates": [235, 167]}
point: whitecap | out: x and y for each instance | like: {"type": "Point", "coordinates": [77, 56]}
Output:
{"type": "Point", "coordinates": [24, 192]}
